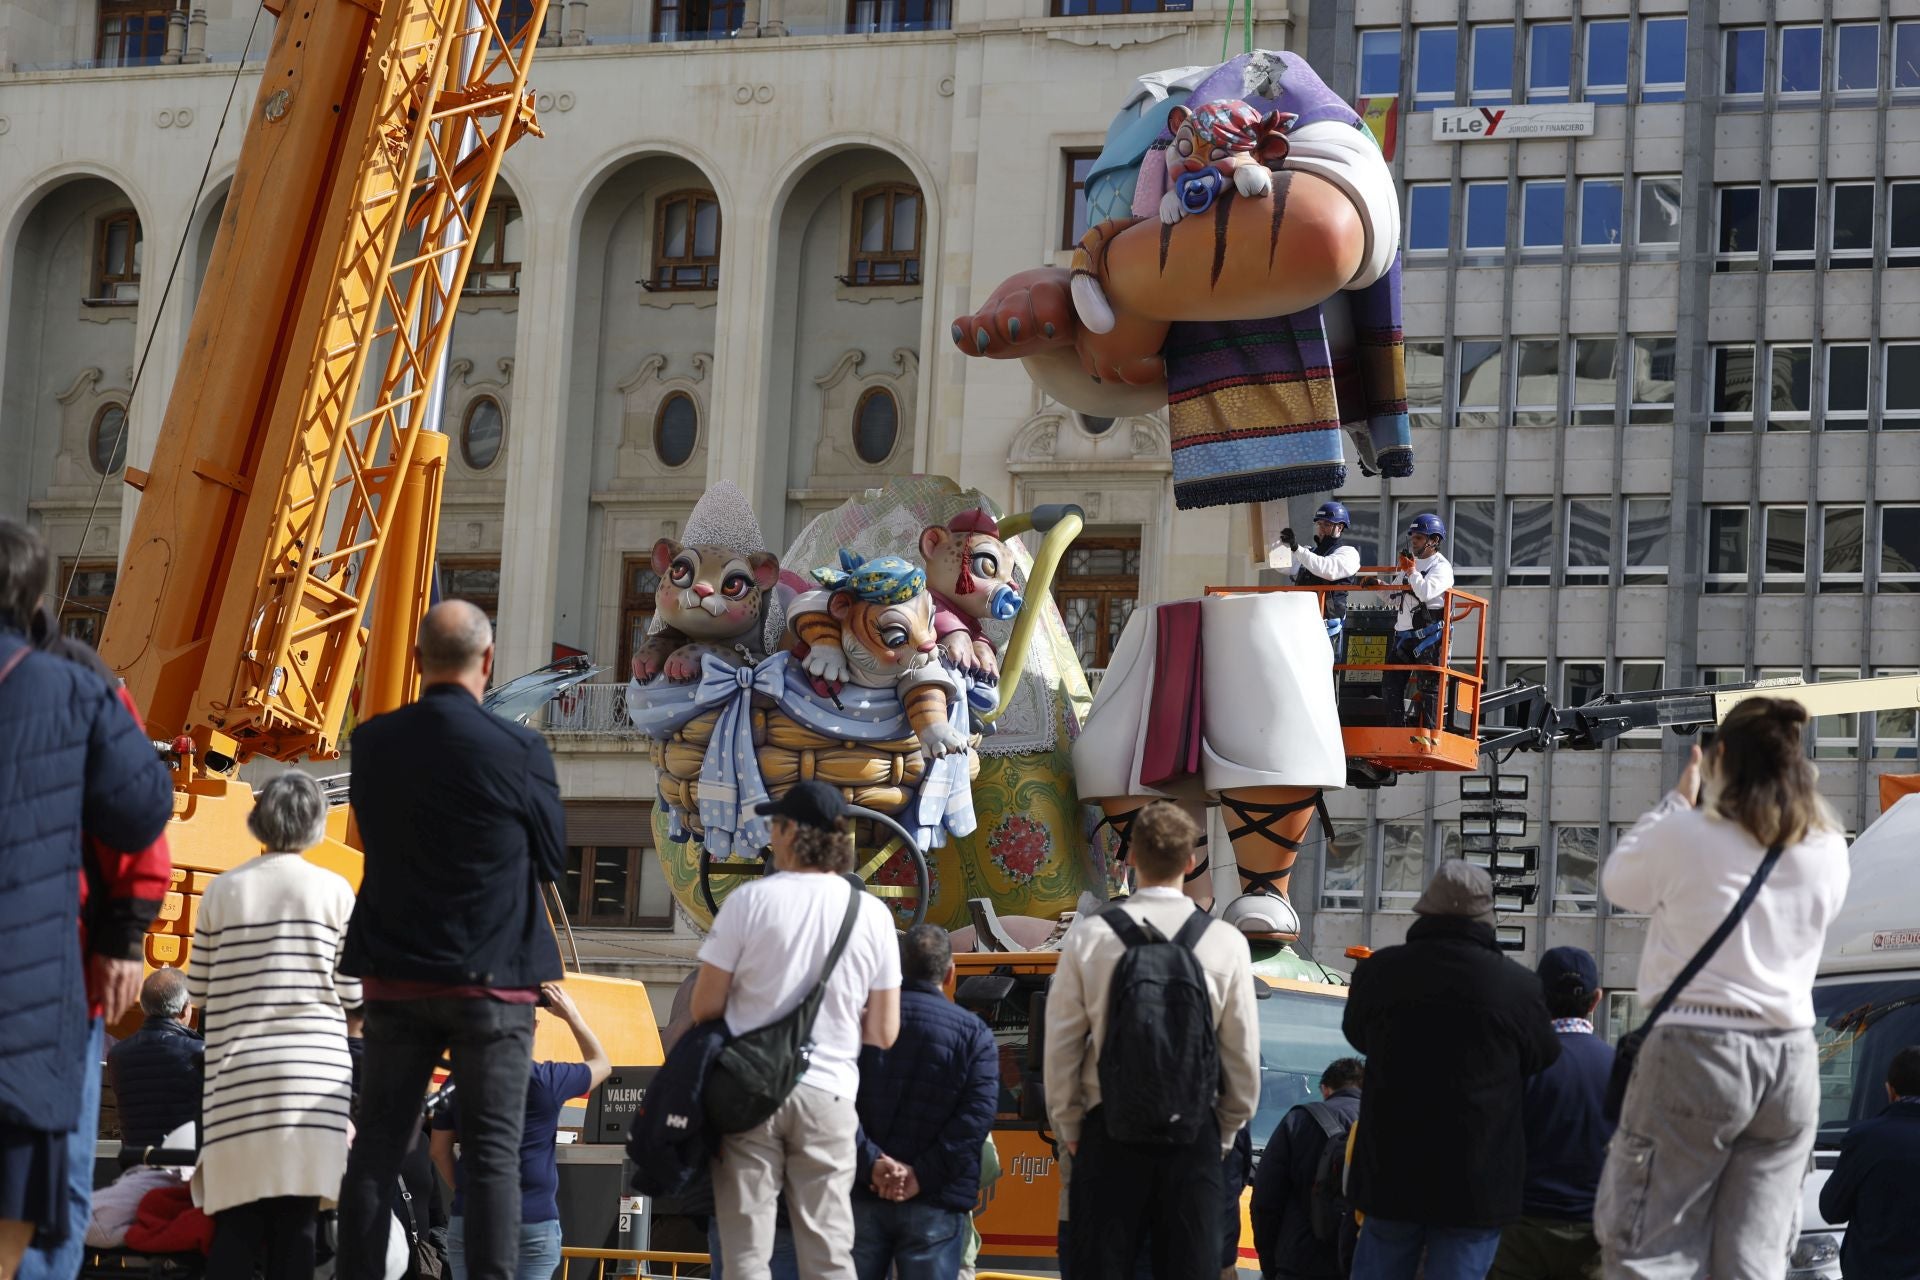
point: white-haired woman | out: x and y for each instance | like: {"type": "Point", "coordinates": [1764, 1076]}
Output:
{"type": "Point", "coordinates": [266, 947]}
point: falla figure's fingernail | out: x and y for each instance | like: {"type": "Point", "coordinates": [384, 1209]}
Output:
{"type": "Point", "coordinates": [1013, 328]}
{"type": "Point", "coordinates": [1048, 328]}
{"type": "Point", "coordinates": [981, 340]}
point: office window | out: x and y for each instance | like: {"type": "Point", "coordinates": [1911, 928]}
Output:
{"type": "Point", "coordinates": [1737, 228]}
{"type": "Point", "coordinates": [686, 241]}
{"type": "Point", "coordinates": [1791, 381]}
{"type": "Point", "coordinates": [1470, 532]}
{"type": "Point", "coordinates": [1481, 370]}
{"type": "Point", "coordinates": [1906, 55]}
{"type": "Point", "coordinates": [1343, 868]}
{"type": "Point", "coordinates": [1652, 377]}
{"type": "Point", "coordinates": [1785, 566]}
{"type": "Point", "coordinates": [1576, 870]}
{"type": "Point", "coordinates": [1380, 63]}
{"type": "Point", "coordinates": [499, 246]}
{"type": "Point", "coordinates": [1847, 375]}
{"type": "Point", "coordinates": [1743, 62]}
{"type": "Point", "coordinates": [1435, 52]}
{"type": "Point", "coordinates": [639, 591]}
{"type": "Point", "coordinates": [1732, 389]}
{"type": "Point", "coordinates": [1649, 540]}
{"type": "Point", "coordinates": [1429, 216]}
{"type": "Point", "coordinates": [1581, 682]}
{"type": "Point", "coordinates": [1850, 235]}
{"type": "Point", "coordinates": [1640, 675]}
{"type": "Point", "coordinates": [886, 236]}
{"type": "Point", "coordinates": [1896, 732]}
{"type": "Point", "coordinates": [1549, 61]}
{"type": "Point", "coordinates": [1799, 60]}
{"type": "Point", "coordinates": [1589, 539]}
{"type": "Point", "coordinates": [1793, 214]}
{"type": "Point", "coordinates": [1712, 677]}
{"type": "Point", "coordinates": [117, 246]}
{"type": "Point", "coordinates": [1900, 386]}
{"type": "Point", "coordinates": [1843, 548]}
{"type": "Point", "coordinates": [1536, 382]}
{"type": "Point", "coordinates": [1903, 222]}
{"type": "Point", "coordinates": [1426, 365]}
{"type": "Point", "coordinates": [1727, 550]}
{"type": "Point", "coordinates": [1836, 737]}
{"type": "Point", "coordinates": [1521, 671]}
{"type": "Point", "coordinates": [1485, 226]}
{"type": "Point", "coordinates": [1659, 221]}
{"type": "Point", "coordinates": [1543, 214]}
{"type": "Point", "coordinates": [1600, 216]}
{"type": "Point", "coordinates": [1076, 164]}
{"type": "Point", "coordinates": [1403, 864]}
{"type": "Point", "coordinates": [1595, 381]}
{"type": "Point", "coordinates": [1899, 548]}
{"type": "Point", "coordinates": [1856, 57]}
{"type": "Point", "coordinates": [1663, 60]}
{"type": "Point", "coordinates": [1607, 61]}
{"type": "Point", "coordinates": [1491, 73]}
{"type": "Point", "coordinates": [1529, 541]}
{"type": "Point", "coordinates": [133, 33]}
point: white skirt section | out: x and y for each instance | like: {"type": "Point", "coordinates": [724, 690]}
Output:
{"type": "Point", "coordinates": [1269, 718]}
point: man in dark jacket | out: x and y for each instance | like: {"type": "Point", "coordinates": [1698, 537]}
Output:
{"type": "Point", "coordinates": [1282, 1208]}
{"type": "Point", "coordinates": [1875, 1185]}
{"type": "Point", "coordinates": [1565, 1117]}
{"type": "Point", "coordinates": [1451, 1029]}
{"type": "Point", "coordinates": [460, 819]}
{"type": "Point", "coordinates": [157, 1071]}
{"type": "Point", "coordinates": [926, 1106]}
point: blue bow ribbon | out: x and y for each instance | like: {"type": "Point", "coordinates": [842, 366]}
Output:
{"type": "Point", "coordinates": [730, 781]}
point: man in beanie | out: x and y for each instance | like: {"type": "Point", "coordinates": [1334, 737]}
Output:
{"type": "Point", "coordinates": [1451, 1030]}
{"type": "Point", "coordinates": [1564, 1115]}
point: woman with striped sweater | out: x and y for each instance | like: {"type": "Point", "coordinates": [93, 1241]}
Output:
{"type": "Point", "coordinates": [273, 1140]}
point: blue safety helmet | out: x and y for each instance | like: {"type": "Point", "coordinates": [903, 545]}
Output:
{"type": "Point", "coordinates": [1333, 513]}
{"type": "Point", "coordinates": [1428, 523]}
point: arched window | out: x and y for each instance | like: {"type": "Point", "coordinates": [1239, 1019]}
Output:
{"type": "Point", "coordinates": [116, 258]}
{"type": "Point", "coordinates": [876, 426]}
{"type": "Point", "coordinates": [498, 246]}
{"type": "Point", "coordinates": [676, 429]}
{"type": "Point", "coordinates": [107, 440]}
{"type": "Point", "coordinates": [482, 433]}
{"type": "Point", "coordinates": [886, 236]}
{"type": "Point", "coordinates": [686, 241]}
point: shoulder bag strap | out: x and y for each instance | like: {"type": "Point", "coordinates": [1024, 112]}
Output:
{"type": "Point", "coordinates": [1122, 922]}
{"type": "Point", "coordinates": [855, 890]}
{"type": "Point", "coordinates": [1193, 930]}
{"type": "Point", "coordinates": [1324, 1116]}
{"type": "Point", "coordinates": [1707, 949]}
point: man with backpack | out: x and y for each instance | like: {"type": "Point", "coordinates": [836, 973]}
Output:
{"type": "Point", "coordinates": [1298, 1191]}
{"type": "Point", "coordinates": [1152, 1066]}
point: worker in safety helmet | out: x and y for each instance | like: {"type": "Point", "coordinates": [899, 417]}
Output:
{"type": "Point", "coordinates": [1424, 577]}
{"type": "Point", "coordinates": [1331, 562]}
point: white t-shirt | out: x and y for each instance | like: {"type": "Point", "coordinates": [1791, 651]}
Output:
{"type": "Point", "coordinates": [773, 936]}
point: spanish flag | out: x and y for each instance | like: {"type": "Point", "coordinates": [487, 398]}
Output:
{"type": "Point", "coordinates": [1382, 116]}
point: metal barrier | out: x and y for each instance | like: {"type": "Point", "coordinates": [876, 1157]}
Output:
{"type": "Point", "coordinates": [643, 1260]}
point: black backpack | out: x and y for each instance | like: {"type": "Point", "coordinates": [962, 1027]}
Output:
{"type": "Point", "coordinates": [1327, 1203]}
{"type": "Point", "coordinates": [1160, 1061]}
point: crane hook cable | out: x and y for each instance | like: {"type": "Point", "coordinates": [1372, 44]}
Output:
{"type": "Point", "coordinates": [166, 290]}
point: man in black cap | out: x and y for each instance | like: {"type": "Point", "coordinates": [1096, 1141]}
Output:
{"type": "Point", "coordinates": [1564, 1114]}
{"type": "Point", "coordinates": [1451, 1029]}
{"type": "Point", "coordinates": [767, 949]}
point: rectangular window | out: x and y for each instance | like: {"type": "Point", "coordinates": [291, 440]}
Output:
{"type": "Point", "coordinates": [1491, 75]}
{"type": "Point", "coordinates": [1380, 63]}
{"type": "Point", "coordinates": [117, 246]}
{"type": "Point", "coordinates": [697, 19]}
{"type": "Point", "coordinates": [1470, 533]}
{"type": "Point", "coordinates": [1543, 214]}
{"type": "Point", "coordinates": [1104, 8]}
{"type": "Point", "coordinates": [1589, 539]}
{"type": "Point", "coordinates": [1663, 60]}
{"type": "Point", "coordinates": [1799, 60]}
{"type": "Point", "coordinates": [1856, 57]}
{"type": "Point", "coordinates": [1793, 217]}
{"type": "Point", "coordinates": [686, 241]}
{"type": "Point", "coordinates": [1843, 548]}
{"type": "Point", "coordinates": [1521, 671]}
{"type": "Point", "coordinates": [1896, 733]}
{"type": "Point", "coordinates": [1836, 737]}
{"type": "Point", "coordinates": [1850, 236]}
{"type": "Point", "coordinates": [1906, 55]}
{"type": "Point", "coordinates": [1659, 221]}
{"type": "Point", "coordinates": [1785, 571]}
{"type": "Point", "coordinates": [1791, 400]}
{"type": "Point", "coordinates": [1403, 864]}
{"type": "Point", "coordinates": [133, 33]}
{"type": "Point", "coordinates": [1426, 364]}
{"type": "Point", "coordinates": [1436, 53]}
{"type": "Point", "coordinates": [1076, 164]}
{"type": "Point", "coordinates": [1737, 228]}
{"type": "Point", "coordinates": [1364, 531]}
{"type": "Point", "coordinates": [886, 236]}
{"type": "Point", "coordinates": [1652, 387]}
{"type": "Point", "coordinates": [1847, 371]}
{"type": "Point", "coordinates": [1549, 61]}
{"type": "Point", "coordinates": [1581, 682]}
{"type": "Point", "coordinates": [1607, 61]}
{"type": "Point", "coordinates": [1732, 389]}
{"type": "Point", "coordinates": [1481, 370]}
{"type": "Point", "coordinates": [867, 17]}
{"type": "Point", "coordinates": [1640, 675]}
{"type": "Point", "coordinates": [1899, 548]}
{"type": "Point", "coordinates": [498, 249]}
{"type": "Point", "coordinates": [1743, 62]}
{"type": "Point", "coordinates": [1727, 550]}
{"type": "Point", "coordinates": [1429, 216]}
{"type": "Point", "coordinates": [1097, 590]}
{"type": "Point", "coordinates": [1529, 541]}
{"type": "Point", "coordinates": [1649, 540]}
{"type": "Point", "coordinates": [1576, 871]}
{"type": "Point", "coordinates": [1343, 869]}
{"type": "Point", "coordinates": [639, 589]}
{"type": "Point", "coordinates": [1536, 382]}
{"type": "Point", "coordinates": [1595, 381]}
{"type": "Point", "coordinates": [612, 876]}
{"type": "Point", "coordinates": [1714, 676]}
{"type": "Point", "coordinates": [1600, 215]}
{"type": "Point", "coordinates": [1900, 386]}
{"type": "Point", "coordinates": [1903, 221]}
{"type": "Point", "coordinates": [1485, 226]}
{"type": "Point", "coordinates": [86, 592]}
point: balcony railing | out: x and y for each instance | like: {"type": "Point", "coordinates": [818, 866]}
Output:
{"type": "Point", "coordinates": [597, 709]}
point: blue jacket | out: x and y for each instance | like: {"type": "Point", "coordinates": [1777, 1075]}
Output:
{"type": "Point", "coordinates": [1564, 1111]}
{"type": "Point", "coordinates": [1875, 1190]}
{"type": "Point", "coordinates": [71, 761]}
{"type": "Point", "coordinates": [1282, 1206]}
{"type": "Point", "coordinates": [157, 1072]}
{"type": "Point", "coordinates": [670, 1141]}
{"type": "Point", "coordinates": [929, 1100]}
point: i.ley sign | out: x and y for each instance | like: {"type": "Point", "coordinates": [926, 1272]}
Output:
{"type": "Point", "coordinates": [1498, 124]}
